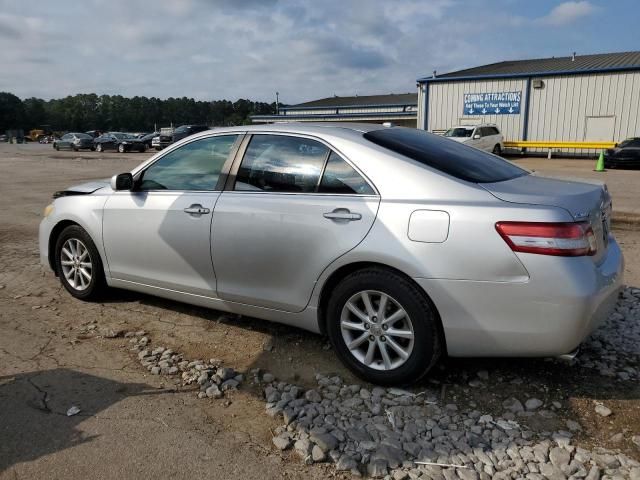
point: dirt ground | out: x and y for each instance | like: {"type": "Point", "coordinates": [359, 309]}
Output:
{"type": "Point", "coordinates": [134, 424]}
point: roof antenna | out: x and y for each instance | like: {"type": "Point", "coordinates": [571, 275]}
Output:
{"type": "Point", "coordinates": [434, 74]}
{"type": "Point", "coordinates": [573, 58]}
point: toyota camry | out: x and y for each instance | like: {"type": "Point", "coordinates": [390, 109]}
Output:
{"type": "Point", "coordinates": [399, 245]}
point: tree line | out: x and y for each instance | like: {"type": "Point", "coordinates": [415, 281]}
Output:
{"type": "Point", "coordinates": [84, 112]}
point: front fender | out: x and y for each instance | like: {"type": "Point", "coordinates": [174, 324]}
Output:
{"type": "Point", "coordinates": [83, 210]}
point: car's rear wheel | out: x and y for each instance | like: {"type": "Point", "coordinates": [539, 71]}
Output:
{"type": "Point", "coordinates": [56, 147]}
{"type": "Point", "coordinates": [383, 327]}
{"type": "Point", "coordinates": [121, 148]}
{"type": "Point", "coordinates": [99, 148]}
{"type": "Point", "coordinates": [497, 150]}
{"type": "Point", "coordinates": [78, 264]}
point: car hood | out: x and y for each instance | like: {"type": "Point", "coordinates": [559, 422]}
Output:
{"type": "Point", "coordinates": [459, 139]}
{"type": "Point", "coordinates": [83, 188]}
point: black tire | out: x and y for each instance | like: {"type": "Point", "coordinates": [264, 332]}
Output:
{"type": "Point", "coordinates": [427, 345]}
{"type": "Point", "coordinates": [121, 148]}
{"type": "Point", "coordinates": [75, 149]}
{"type": "Point", "coordinates": [56, 147]}
{"type": "Point", "coordinates": [97, 286]}
{"type": "Point", "coordinates": [497, 150]}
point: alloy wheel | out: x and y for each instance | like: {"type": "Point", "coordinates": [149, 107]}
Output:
{"type": "Point", "coordinates": [75, 261]}
{"type": "Point", "coordinates": [377, 330]}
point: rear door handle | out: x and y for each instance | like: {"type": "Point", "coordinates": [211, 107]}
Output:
{"type": "Point", "coordinates": [196, 209]}
{"type": "Point", "coordinates": [342, 214]}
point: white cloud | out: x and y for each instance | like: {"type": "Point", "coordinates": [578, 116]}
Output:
{"type": "Point", "coordinates": [568, 12]}
{"type": "Point", "coordinates": [213, 49]}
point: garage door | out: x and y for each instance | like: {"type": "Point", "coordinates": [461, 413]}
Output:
{"type": "Point", "coordinates": [599, 129]}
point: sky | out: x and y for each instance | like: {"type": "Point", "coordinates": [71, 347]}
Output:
{"type": "Point", "coordinates": [305, 50]}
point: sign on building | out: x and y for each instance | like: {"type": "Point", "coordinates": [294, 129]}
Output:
{"type": "Point", "coordinates": [496, 103]}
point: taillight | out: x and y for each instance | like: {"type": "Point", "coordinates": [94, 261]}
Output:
{"type": "Point", "coordinates": [561, 239]}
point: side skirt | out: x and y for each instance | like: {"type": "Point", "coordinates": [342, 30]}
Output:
{"type": "Point", "coordinates": [307, 319]}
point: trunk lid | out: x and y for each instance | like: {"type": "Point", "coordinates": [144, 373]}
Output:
{"type": "Point", "coordinates": [584, 200]}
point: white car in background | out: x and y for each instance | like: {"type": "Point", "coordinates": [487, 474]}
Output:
{"type": "Point", "coordinates": [486, 136]}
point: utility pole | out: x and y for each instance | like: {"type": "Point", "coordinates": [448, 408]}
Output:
{"type": "Point", "coordinates": [277, 103]}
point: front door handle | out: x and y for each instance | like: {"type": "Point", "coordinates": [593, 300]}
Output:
{"type": "Point", "coordinates": [342, 214]}
{"type": "Point", "coordinates": [196, 209]}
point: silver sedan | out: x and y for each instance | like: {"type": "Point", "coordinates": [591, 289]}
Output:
{"type": "Point", "coordinates": [399, 245]}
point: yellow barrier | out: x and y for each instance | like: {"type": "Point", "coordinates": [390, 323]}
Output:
{"type": "Point", "coordinates": [534, 144]}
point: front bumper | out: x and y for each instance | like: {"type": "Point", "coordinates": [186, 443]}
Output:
{"type": "Point", "coordinates": [564, 300]}
{"type": "Point", "coordinates": [44, 232]}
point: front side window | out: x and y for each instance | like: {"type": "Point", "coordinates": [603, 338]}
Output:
{"type": "Point", "coordinates": [341, 178]}
{"type": "Point", "coordinates": [194, 166]}
{"type": "Point", "coordinates": [279, 163]}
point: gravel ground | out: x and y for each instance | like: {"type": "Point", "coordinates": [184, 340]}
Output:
{"type": "Point", "coordinates": [400, 434]}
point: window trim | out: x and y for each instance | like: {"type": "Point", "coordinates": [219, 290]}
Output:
{"type": "Point", "coordinates": [231, 180]}
{"type": "Point", "coordinates": [219, 187]}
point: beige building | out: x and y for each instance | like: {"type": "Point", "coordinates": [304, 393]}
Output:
{"type": "Point", "coordinates": [401, 109]}
{"type": "Point", "coordinates": [569, 99]}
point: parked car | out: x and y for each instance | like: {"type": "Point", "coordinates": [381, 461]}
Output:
{"type": "Point", "coordinates": [398, 244]}
{"type": "Point", "coordinates": [118, 141]}
{"type": "Point", "coordinates": [184, 131]}
{"type": "Point", "coordinates": [164, 139]}
{"type": "Point", "coordinates": [94, 133]}
{"type": "Point", "coordinates": [73, 141]}
{"type": "Point", "coordinates": [626, 154]}
{"type": "Point", "coordinates": [147, 138]}
{"type": "Point", "coordinates": [485, 137]}
{"type": "Point", "coordinates": [4, 138]}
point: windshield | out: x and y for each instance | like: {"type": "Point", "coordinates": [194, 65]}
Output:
{"type": "Point", "coordinates": [81, 135]}
{"type": "Point", "coordinates": [119, 136]}
{"type": "Point", "coordinates": [453, 158]}
{"type": "Point", "coordinates": [458, 132]}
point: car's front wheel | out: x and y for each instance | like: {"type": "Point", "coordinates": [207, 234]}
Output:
{"type": "Point", "coordinates": [121, 148]}
{"type": "Point", "coordinates": [497, 150]}
{"type": "Point", "coordinates": [99, 148]}
{"type": "Point", "coordinates": [78, 264]}
{"type": "Point", "coordinates": [383, 327]}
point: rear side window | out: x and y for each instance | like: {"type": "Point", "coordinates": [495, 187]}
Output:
{"type": "Point", "coordinates": [279, 163]}
{"type": "Point", "coordinates": [450, 157]}
{"type": "Point", "coordinates": [341, 178]}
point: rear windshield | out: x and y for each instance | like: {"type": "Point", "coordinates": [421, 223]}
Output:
{"type": "Point", "coordinates": [448, 156]}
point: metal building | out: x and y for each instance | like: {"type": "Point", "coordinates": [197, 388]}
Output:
{"type": "Point", "coordinates": [582, 98]}
{"type": "Point", "coordinates": [401, 109]}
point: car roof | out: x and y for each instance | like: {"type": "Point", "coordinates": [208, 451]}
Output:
{"type": "Point", "coordinates": [475, 126]}
{"type": "Point", "coordinates": [306, 127]}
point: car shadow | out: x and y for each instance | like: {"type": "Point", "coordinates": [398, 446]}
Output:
{"type": "Point", "coordinates": [33, 410]}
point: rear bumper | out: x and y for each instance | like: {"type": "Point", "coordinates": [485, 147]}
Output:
{"type": "Point", "coordinates": [564, 300]}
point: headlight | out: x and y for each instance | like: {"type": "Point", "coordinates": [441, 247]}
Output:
{"type": "Point", "coordinates": [48, 210]}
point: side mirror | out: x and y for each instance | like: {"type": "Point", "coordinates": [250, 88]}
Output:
{"type": "Point", "coordinates": [122, 181]}
{"type": "Point", "coordinates": [476, 137]}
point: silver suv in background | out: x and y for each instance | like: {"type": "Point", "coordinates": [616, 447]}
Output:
{"type": "Point", "coordinates": [486, 136]}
